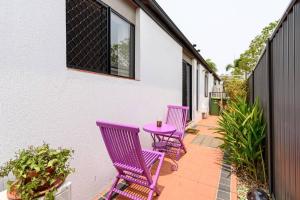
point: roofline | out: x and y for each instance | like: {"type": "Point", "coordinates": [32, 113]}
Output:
{"type": "Point", "coordinates": [153, 9]}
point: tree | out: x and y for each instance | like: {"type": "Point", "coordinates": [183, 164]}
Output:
{"type": "Point", "coordinates": [234, 66]}
{"type": "Point", "coordinates": [211, 64]}
{"type": "Point", "coordinates": [249, 58]}
{"type": "Point", "coordinates": [235, 87]}
{"type": "Point", "coordinates": [120, 54]}
{"type": "Point", "coordinates": [120, 58]}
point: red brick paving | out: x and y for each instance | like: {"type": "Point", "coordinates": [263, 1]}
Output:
{"type": "Point", "coordinates": [198, 174]}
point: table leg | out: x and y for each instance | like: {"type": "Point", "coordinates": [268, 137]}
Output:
{"type": "Point", "coordinates": [154, 141]}
{"type": "Point", "coordinates": [156, 137]}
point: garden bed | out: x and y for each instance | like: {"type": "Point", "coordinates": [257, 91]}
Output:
{"type": "Point", "coordinates": [244, 185]}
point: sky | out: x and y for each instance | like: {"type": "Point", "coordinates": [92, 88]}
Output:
{"type": "Point", "coordinates": [223, 29]}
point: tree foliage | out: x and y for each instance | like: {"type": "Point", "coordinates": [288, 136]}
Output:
{"type": "Point", "coordinates": [249, 58]}
{"type": "Point", "coordinates": [211, 64]}
{"type": "Point", "coordinates": [235, 87]}
{"type": "Point", "coordinates": [120, 57]}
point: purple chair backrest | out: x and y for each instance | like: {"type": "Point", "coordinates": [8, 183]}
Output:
{"type": "Point", "coordinates": [177, 116]}
{"type": "Point", "coordinates": [123, 146]}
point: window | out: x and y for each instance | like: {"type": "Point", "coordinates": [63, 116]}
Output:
{"type": "Point", "coordinates": [99, 39]}
{"type": "Point", "coordinates": [121, 49]}
{"type": "Point", "coordinates": [206, 84]}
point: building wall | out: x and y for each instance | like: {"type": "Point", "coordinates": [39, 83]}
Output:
{"type": "Point", "coordinates": [42, 100]}
{"type": "Point", "coordinates": [194, 88]}
{"type": "Point", "coordinates": [123, 7]}
{"type": "Point", "coordinates": [203, 101]}
{"type": "Point", "coordinates": [187, 57]}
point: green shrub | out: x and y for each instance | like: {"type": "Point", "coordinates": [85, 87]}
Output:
{"type": "Point", "coordinates": [243, 129]}
{"type": "Point", "coordinates": [37, 167]}
{"type": "Point", "coordinates": [235, 88]}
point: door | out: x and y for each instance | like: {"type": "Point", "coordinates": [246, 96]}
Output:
{"type": "Point", "coordinates": [187, 87]}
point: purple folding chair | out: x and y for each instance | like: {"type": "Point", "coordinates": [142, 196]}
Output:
{"type": "Point", "coordinates": [132, 163]}
{"type": "Point", "coordinates": [177, 117]}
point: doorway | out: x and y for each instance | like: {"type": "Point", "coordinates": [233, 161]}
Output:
{"type": "Point", "coordinates": [187, 87]}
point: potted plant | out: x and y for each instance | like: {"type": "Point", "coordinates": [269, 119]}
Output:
{"type": "Point", "coordinates": [39, 171]}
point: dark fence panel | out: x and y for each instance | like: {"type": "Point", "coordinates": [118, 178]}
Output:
{"type": "Point", "coordinates": [250, 88]}
{"type": "Point", "coordinates": [277, 84]}
{"type": "Point", "coordinates": [262, 92]}
{"type": "Point", "coordinates": [297, 96]}
{"type": "Point", "coordinates": [260, 85]}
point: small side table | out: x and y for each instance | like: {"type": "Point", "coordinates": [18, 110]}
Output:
{"type": "Point", "coordinates": [165, 130]}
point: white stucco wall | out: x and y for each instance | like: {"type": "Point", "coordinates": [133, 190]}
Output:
{"type": "Point", "coordinates": [124, 7]}
{"type": "Point", "coordinates": [210, 83]}
{"type": "Point", "coordinates": [203, 101]}
{"type": "Point", "coordinates": [42, 100]}
{"type": "Point", "coordinates": [194, 88]}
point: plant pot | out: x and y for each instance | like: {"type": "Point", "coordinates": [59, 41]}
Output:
{"type": "Point", "coordinates": [32, 173]}
{"type": "Point", "coordinates": [12, 194]}
{"type": "Point", "coordinates": [50, 170]}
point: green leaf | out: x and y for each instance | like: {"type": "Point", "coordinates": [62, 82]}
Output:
{"type": "Point", "coordinates": [52, 162]}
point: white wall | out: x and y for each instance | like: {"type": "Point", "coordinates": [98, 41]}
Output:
{"type": "Point", "coordinates": [203, 101]}
{"type": "Point", "coordinates": [42, 100]}
{"type": "Point", "coordinates": [210, 83]}
{"type": "Point", "coordinates": [194, 88]}
{"type": "Point", "coordinates": [123, 7]}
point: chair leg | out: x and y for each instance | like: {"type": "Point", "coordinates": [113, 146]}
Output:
{"type": "Point", "coordinates": [178, 153]}
{"type": "Point", "coordinates": [150, 195]}
{"type": "Point", "coordinates": [112, 187]}
{"type": "Point", "coordinates": [157, 191]}
{"type": "Point", "coordinates": [183, 146]}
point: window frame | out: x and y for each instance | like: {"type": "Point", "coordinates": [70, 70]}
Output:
{"type": "Point", "coordinates": [131, 44]}
{"type": "Point", "coordinates": [132, 52]}
{"type": "Point", "coordinates": [206, 84]}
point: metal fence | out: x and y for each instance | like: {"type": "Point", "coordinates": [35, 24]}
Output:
{"type": "Point", "coordinates": [276, 81]}
{"type": "Point", "coordinates": [219, 95]}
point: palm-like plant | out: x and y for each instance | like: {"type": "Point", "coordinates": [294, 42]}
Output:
{"type": "Point", "coordinates": [211, 64]}
{"type": "Point", "coordinates": [243, 129]}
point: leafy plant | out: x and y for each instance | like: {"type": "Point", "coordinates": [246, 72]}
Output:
{"type": "Point", "coordinates": [211, 64]}
{"type": "Point", "coordinates": [37, 168]}
{"type": "Point", "coordinates": [249, 58]}
{"type": "Point", "coordinates": [243, 129]}
{"type": "Point", "coordinates": [235, 88]}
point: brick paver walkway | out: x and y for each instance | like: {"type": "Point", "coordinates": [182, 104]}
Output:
{"type": "Point", "coordinates": [199, 170]}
